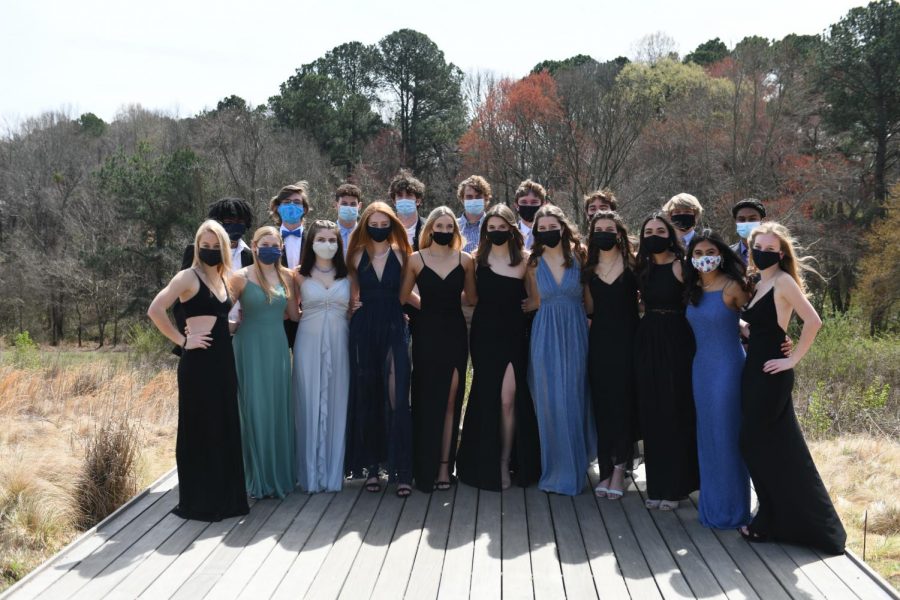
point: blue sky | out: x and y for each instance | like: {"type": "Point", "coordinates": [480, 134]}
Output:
{"type": "Point", "coordinates": [182, 56]}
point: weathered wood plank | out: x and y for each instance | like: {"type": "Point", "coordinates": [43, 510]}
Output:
{"type": "Point", "coordinates": [487, 560]}
{"type": "Point", "coordinates": [457, 572]}
{"type": "Point", "coordinates": [791, 577]}
{"type": "Point", "coordinates": [599, 552]}
{"type": "Point", "coordinates": [255, 552]}
{"type": "Point", "coordinates": [425, 577]}
{"type": "Point", "coordinates": [818, 572]}
{"type": "Point", "coordinates": [858, 579]}
{"type": "Point", "coordinates": [401, 554]}
{"type": "Point", "coordinates": [516, 569]}
{"type": "Point", "coordinates": [301, 573]}
{"type": "Point", "coordinates": [263, 582]}
{"type": "Point", "coordinates": [545, 568]}
{"type": "Point", "coordinates": [577, 576]}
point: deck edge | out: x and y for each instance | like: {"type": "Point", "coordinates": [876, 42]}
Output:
{"type": "Point", "coordinates": [873, 574]}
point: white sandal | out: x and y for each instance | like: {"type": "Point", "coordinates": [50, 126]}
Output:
{"type": "Point", "coordinates": [601, 491]}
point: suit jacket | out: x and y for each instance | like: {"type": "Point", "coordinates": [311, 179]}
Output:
{"type": "Point", "coordinates": [419, 224]}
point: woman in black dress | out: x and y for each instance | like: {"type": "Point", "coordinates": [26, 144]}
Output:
{"type": "Point", "coordinates": [379, 428]}
{"type": "Point", "coordinates": [794, 505]}
{"type": "Point", "coordinates": [500, 425]}
{"type": "Point", "coordinates": [664, 353]}
{"type": "Point", "coordinates": [611, 296]}
{"type": "Point", "coordinates": [208, 447]}
{"type": "Point", "coordinates": [440, 348]}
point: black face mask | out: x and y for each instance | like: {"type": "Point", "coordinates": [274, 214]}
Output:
{"type": "Point", "coordinates": [379, 234]}
{"type": "Point", "coordinates": [210, 256]}
{"type": "Point", "coordinates": [527, 212]}
{"type": "Point", "coordinates": [605, 240]}
{"type": "Point", "coordinates": [442, 238]}
{"type": "Point", "coordinates": [656, 244]}
{"type": "Point", "coordinates": [684, 222]}
{"type": "Point", "coordinates": [498, 237]}
{"type": "Point", "coordinates": [763, 259]}
{"type": "Point", "coordinates": [550, 238]}
{"type": "Point", "coordinates": [235, 230]}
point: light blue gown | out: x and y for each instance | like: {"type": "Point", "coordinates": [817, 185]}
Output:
{"type": "Point", "coordinates": [717, 368]}
{"type": "Point", "coordinates": [557, 376]}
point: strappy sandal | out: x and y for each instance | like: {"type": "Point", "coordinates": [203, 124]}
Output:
{"type": "Point", "coordinates": [601, 491]}
{"type": "Point", "coordinates": [443, 486]}
{"type": "Point", "coordinates": [403, 490]}
{"type": "Point", "coordinates": [751, 536]}
{"type": "Point", "coordinates": [668, 505]}
{"type": "Point", "coordinates": [613, 493]}
{"type": "Point", "coordinates": [651, 504]}
{"type": "Point", "coordinates": [373, 485]}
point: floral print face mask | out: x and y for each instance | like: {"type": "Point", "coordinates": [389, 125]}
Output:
{"type": "Point", "coordinates": [706, 264]}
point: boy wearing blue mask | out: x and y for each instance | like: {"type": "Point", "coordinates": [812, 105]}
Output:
{"type": "Point", "coordinates": [288, 208]}
{"type": "Point", "coordinates": [348, 204]}
{"type": "Point", "coordinates": [748, 214]}
{"type": "Point", "coordinates": [475, 195]}
{"type": "Point", "coordinates": [407, 192]}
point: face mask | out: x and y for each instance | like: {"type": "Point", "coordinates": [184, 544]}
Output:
{"type": "Point", "coordinates": [234, 230]}
{"type": "Point", "coordinates": [325, 250]}
{"type": "Point", "coordinates": [210, 256]}
{"type": "Point", "coordinates": [527, 212]}
{"type": "Point", "coordinates": [498, 237]}
{"type": "Point", "coordinates": [656, 244]}
{"type": "Point", "coordinates": [684, 222]}
{"type": "Point", "coordinates": [706, 264]}
{"type": "Point", "coordinates": [474, 207]}
{"type": "Point", "coordinates": [268, 255]}
{"type": "Point", "coordinates": [290, 213]}
{"type": "Point", "coordinates": [550, 238]}
{"type": "Point", "coordinates": [442, 238]}
{"type": "Point", "coordinates": [406, 207]}
{"type": "Point", "coordinates": [379, 234]}
{"type": "Point", "coordinates": [745, 229]}
{"type": "Point", "coordinates": [348, 213]}
{"type": "Point", "coordinates": [605, 240]}
{"type": "Point", "coordinates": [763, 259]}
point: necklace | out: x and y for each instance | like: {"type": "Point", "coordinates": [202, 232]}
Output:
{"type": "Point", "coordinates": [609, 270]}
{"type": "Point", "coordinates": [380, 256]}
{"type": "Point", "coordinates": [321, 270]}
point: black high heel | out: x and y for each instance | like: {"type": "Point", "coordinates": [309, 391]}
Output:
{"type": "Point", "coordinates": [443, 486]}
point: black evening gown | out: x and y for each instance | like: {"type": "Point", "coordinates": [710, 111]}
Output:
{"type": "Point", "coordinates": [794, 505]}
{"type": "Point", "coordinates": [208, 450]}
{"type": "Point", "coordinates": [439, 346]}
{"type": "Point", "coordinates": [379, 434]}
{"type": "Point", "coordinates": [611, 369]}
{"type": "Point", "coordinates": [498, 339]}
{"type": "Point", "coordinates": [664, 354]}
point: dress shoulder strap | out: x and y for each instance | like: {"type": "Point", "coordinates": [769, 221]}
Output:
{"type": "Point", "coordinates": [422, 256]}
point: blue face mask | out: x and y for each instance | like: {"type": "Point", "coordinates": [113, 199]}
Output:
{"type": "Point", "coordinates": [406, 207]}
{"type": "Point", "coordinates": [475, 206]}
{"type": "Point", "coordinates": [290, 213]}
{"type": "Point", "coordinates": [348, 213]}
{"type": "Point", "coordinates": [269, 255]}
{"type": "Point", "coordinates": [745, 229]}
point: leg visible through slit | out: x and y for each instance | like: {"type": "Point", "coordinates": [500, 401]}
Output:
{"type": "Point", "coordinates": [507, 422]}
{"type": "Point", "coordinates": [443, 478]}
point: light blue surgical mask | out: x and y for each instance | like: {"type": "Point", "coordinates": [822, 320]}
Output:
{"type": "Point", "coordinates": [290, 213]}
{"type": "Point", "coordinates": [745, 229]}
{"type": "Point", "coordinates": [348, 213]}
{"type": "Point", "coordinates": [474, 206]}
{"type": "Point", "coordinates": [405, 207]}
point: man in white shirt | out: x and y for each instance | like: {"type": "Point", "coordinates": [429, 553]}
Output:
{"type": "Point", "coordinates": [348, 204]}
{"type": "Point", "coordinates": [288, 209]}
{"type": "Point", "coordinates": [684, 211]}
{"type": "Point", "coordinates": [530, 196]}
{"type": "Point", "coordinates": [407, 192]}
{"type": "Point", "coordinates": [475, 195]}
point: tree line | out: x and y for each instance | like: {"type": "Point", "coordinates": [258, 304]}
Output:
{"type": "Point", "coordinates": [93, 215]}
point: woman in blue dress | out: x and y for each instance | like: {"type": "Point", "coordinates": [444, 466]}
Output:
{"type": "Point", "coordinates": [557, 369]}
{"type": "Point", "coordinates": [716, 289]}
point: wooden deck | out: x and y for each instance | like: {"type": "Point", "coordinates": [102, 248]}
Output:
{"type": "Point", "coordinates": [456, 544]}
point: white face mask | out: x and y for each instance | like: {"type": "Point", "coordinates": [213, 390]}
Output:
{"type": "Point", "coordinates": [325, 250]}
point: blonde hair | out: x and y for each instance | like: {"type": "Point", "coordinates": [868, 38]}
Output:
{"type": "Point", "coordinates": [284, 274]}
{"type": "Point", "coordinates": [224, 267]}
{"type": "Point", "coordinates": [427, 229]}
{"type": "Point", "coordinates": [791, 263]}
{"type": "Point", "coordinates": [684, 200]}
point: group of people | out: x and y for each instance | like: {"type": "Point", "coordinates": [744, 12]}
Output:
{"type": "Point", "coordinates": [580, 348]}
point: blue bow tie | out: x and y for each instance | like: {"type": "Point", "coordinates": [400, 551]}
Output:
{"type": "Point", "coordinates": [286, 233]}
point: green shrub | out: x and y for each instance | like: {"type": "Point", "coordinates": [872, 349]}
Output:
{"type": "Point", "coordinates": [26, 354]}
{"type": "Point", "coordinates": [147, 344]}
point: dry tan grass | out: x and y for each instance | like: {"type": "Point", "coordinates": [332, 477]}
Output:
{"type": "Point", "coordinates": [49, 419]}
{"type": "Point", "coordinates": [863, 474]}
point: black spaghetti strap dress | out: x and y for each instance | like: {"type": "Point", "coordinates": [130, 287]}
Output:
{"type": "Point", "coordinates": [611, 369]}
{"type": "Point", "coordinates": [498, 339]}
{"type": "Point", "coordinates": [794, 505]}
{"type": "Point", "coordinates": [664, 355]}
{"type": "Point", "coordinates": [439, 346]}
{"type": "Point", "coordinates": [208, 450]}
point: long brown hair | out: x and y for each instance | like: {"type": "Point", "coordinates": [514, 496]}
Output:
{"type": "Point", "coordinates": [593, 252]}
{"type": "Point", "coordinates": [790, 262]}
{"type": "Point", "coordinates": [284, 274]}
{"type": "Point", "coordinates": [571, 240]}
{"type": "Point", "coordinates": [360, 238]}
{"type": "Point", "coordinates": [515, 244]}
{"type": "Point", "coordinates": [308, 256]}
